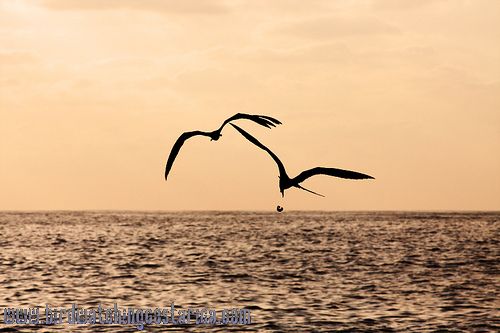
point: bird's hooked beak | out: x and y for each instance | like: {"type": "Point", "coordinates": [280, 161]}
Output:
{"type": "Point", "coordinates": [282, 191]}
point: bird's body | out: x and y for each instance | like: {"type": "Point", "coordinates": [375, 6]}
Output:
{"type": "Point", "coordinates": [265, 121]}
{"type": "Point", "coordinates": [285, 182]}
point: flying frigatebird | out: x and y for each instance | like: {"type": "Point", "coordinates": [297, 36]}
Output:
{"type": "Point", "coordinates": [265, 121]}
{"type": "Point", "coordinates": [286, 182]}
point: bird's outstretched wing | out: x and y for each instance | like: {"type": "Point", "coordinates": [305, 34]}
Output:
{"type": "Point", "coordinates": [265, 121]}
{"type": "Point", "coordinates": [330, 172]}
{"type": "Point", "coordinates": [256, 142]}
{"type": "Point", "coordinates": [177, 146]}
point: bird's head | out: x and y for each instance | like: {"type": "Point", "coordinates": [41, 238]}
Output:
{"type": "Point", "coordinates": [282, 189]}
{"type": "Point", "coordinates": [214, 136]}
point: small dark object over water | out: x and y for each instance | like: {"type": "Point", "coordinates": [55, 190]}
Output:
{"type": "Point", "coordinates": [279, 208]}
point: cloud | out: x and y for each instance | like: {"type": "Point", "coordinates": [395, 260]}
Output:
{"type": "Point", "coordinates": [401, 5]}
{"type": "Point", "coordinates": [212, 81]}
{"type": "Point", "coordinates": [323, 52]}
{"type": "Point", "coordinates": [8, 58]}
{"type": "Point", "coordinates": [333, 26]}
{"type": "Point", "coordinates": [169, 6]}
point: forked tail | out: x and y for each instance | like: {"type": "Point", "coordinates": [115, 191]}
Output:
{"type": "Point", "coordinates": [305, 189]}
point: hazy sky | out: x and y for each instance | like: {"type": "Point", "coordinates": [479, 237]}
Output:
{"type": "Point", "coordinates": [93, 94]}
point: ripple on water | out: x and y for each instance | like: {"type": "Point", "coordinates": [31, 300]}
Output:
{"type": "Point", "coordinates": [296, 272]}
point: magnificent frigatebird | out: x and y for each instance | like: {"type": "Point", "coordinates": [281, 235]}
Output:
{"type": "Point", "coordinates": [265, 121]}
{"type": "Point", "coordinates": [287, 182]}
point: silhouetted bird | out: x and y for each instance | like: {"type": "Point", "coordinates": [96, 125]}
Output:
{"type": "Point", "coordinates": [265, 121]}
{"type": "Point", "coordinates": [287, 182]}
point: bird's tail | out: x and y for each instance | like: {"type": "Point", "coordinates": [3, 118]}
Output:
{"type": "Point", "coordinates": [305, 189]}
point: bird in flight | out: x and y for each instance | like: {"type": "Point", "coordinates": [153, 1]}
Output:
{"type": "Point", "coordinates": [265, 121]}
{"type": "Point", "coordinates": [285, 182]}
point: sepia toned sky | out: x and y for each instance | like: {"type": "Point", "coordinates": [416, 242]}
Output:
{"type": "Point", "coordinates": [93, 94]}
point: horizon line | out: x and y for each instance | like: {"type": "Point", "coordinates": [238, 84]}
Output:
{"type": "Point", "coordinates": [258, 210]}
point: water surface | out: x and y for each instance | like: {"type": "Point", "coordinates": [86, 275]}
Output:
{"type": "Point", "coordinates": [295, 271]}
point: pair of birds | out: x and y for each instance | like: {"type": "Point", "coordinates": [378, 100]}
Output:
{"type": "Point", "coordinates": [285, 182]}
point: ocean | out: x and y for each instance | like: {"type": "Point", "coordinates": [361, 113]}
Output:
{"type": "Point", "coordinates": [294, 271]}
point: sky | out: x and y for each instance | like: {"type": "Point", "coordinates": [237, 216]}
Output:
{"type": "Point", "coordinates": [93, 94]}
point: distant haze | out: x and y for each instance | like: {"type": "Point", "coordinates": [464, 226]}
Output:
{"type": "Point", "coordinates": [93, 94]}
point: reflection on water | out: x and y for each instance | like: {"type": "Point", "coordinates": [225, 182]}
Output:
{"type": "Point", "coordinates": [296, 271]}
